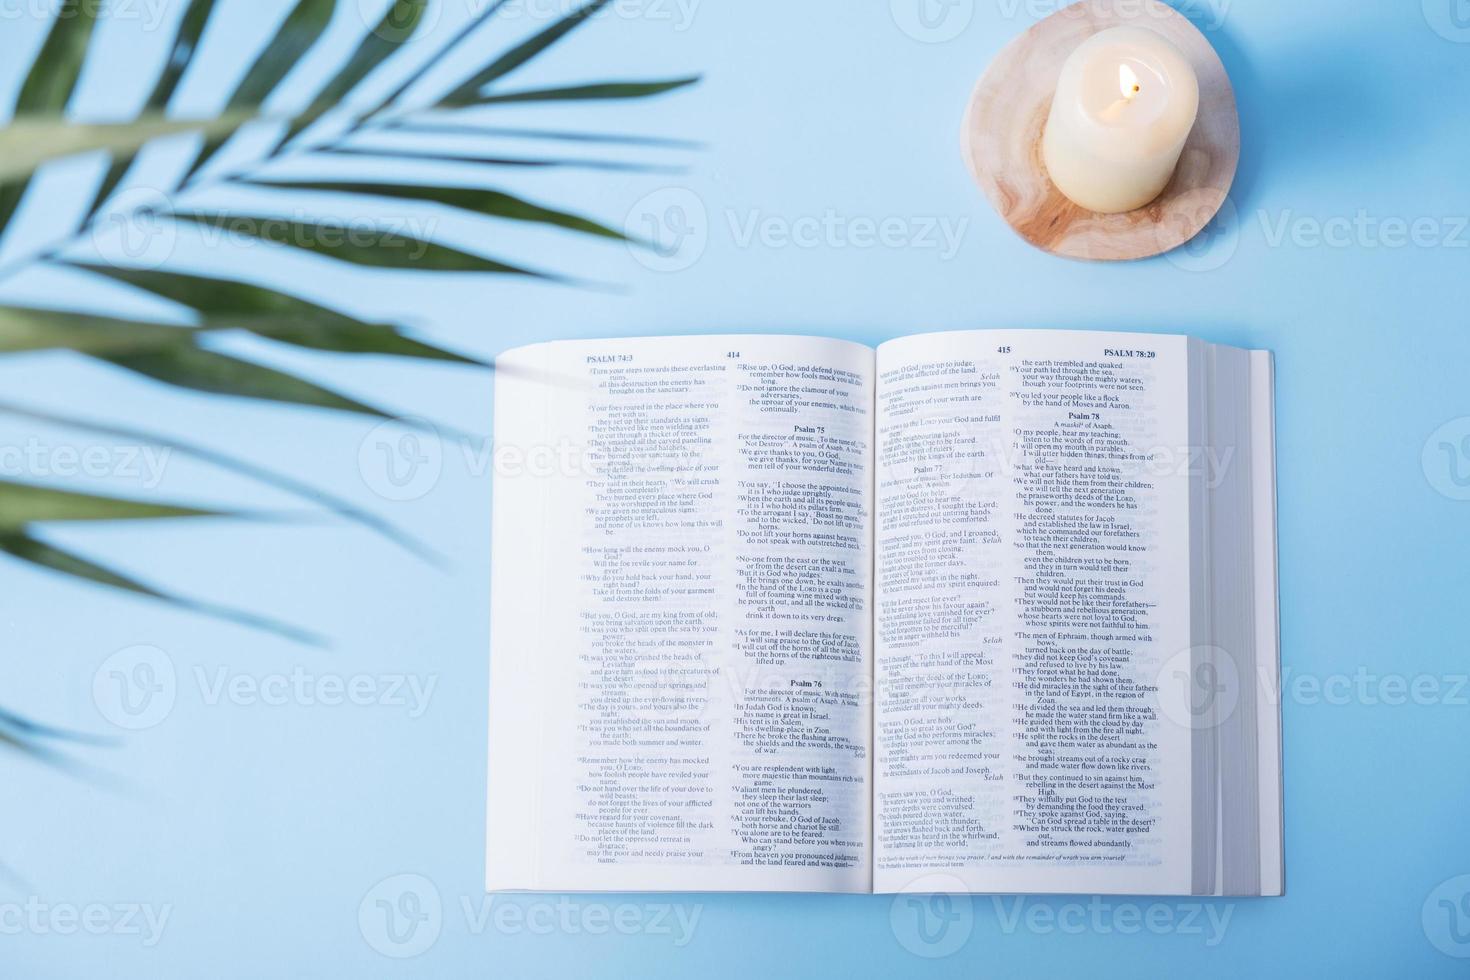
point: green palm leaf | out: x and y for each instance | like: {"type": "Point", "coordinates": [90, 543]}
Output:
{"type": "Point", "coordinates": [233, 464]}
{"type": "Point", "coordinates": [433, 128]}
{"type": "Point", "coordinates": [274, 315]}
{"type": "Point", "coordinates": [395, 153]}
{"type": "Point", "coordinates": [187, 366]}
{"type": "Point", "coordinates": [297, 34]}
{"type": "Point", "coordinates": [26, 142]}
{"type": "Point", "coordinates": [181, 53]}
{"type": "Point", "coordinates": [174, 354]}
{"type": "Point", "coordinates": [31, 329]}
{"type": "Point", "coordinates": [52, 79]}
{"type": "Point", "coordinates": [375, 248]}
{"type": "Point", "coordinates": [469, 28]}
{"type": "Point", "coordinates": [496, 204]}
{"type": "Point", "coordinates": [525, 51]}
{"type": "Point", "coordinates": [24, 503]}
{"type": "Point", "coordinates": [396, 27]}
{"type": "Point", "coordinates": [591, 90]}
{"type": "Point", "coordinates": [29, 549]}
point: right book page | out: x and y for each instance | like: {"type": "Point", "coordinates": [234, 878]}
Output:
{"type": "Point", "coordinates": [1036, 724]}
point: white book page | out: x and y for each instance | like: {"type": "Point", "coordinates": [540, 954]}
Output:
{"type": "Point", "coordinates": [681, 616]}
{"type": "Point", "coordinates": [1031, 590]}
{"type": "Point", "coordinates": [1268, 644]}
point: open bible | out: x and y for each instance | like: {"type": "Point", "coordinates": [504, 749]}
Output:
{"type": "Point", "coordinates": [988, 611]}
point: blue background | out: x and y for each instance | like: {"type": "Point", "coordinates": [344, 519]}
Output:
{"type": "Point", "coordinates": [264, 829]}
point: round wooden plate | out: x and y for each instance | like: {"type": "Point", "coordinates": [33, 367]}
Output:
{"type": "Point", "coordinates": [1002, 139]}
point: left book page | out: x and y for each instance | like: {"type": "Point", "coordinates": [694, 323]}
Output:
{"type": "Point", "coordinates": [681, 616]}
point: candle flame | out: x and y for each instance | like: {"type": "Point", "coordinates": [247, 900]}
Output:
{"type": "Point", "coordinates": [1127, 82]}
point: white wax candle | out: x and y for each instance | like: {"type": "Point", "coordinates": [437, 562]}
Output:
{"type": "Point", "coordinates": [1124, 106]}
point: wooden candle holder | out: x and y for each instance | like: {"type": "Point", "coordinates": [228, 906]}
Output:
{"type": "Point", "coordinates": [1001, 139]}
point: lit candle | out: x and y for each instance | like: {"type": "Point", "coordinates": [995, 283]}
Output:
{"type": "Point", "coordinates": [1124, 106]}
